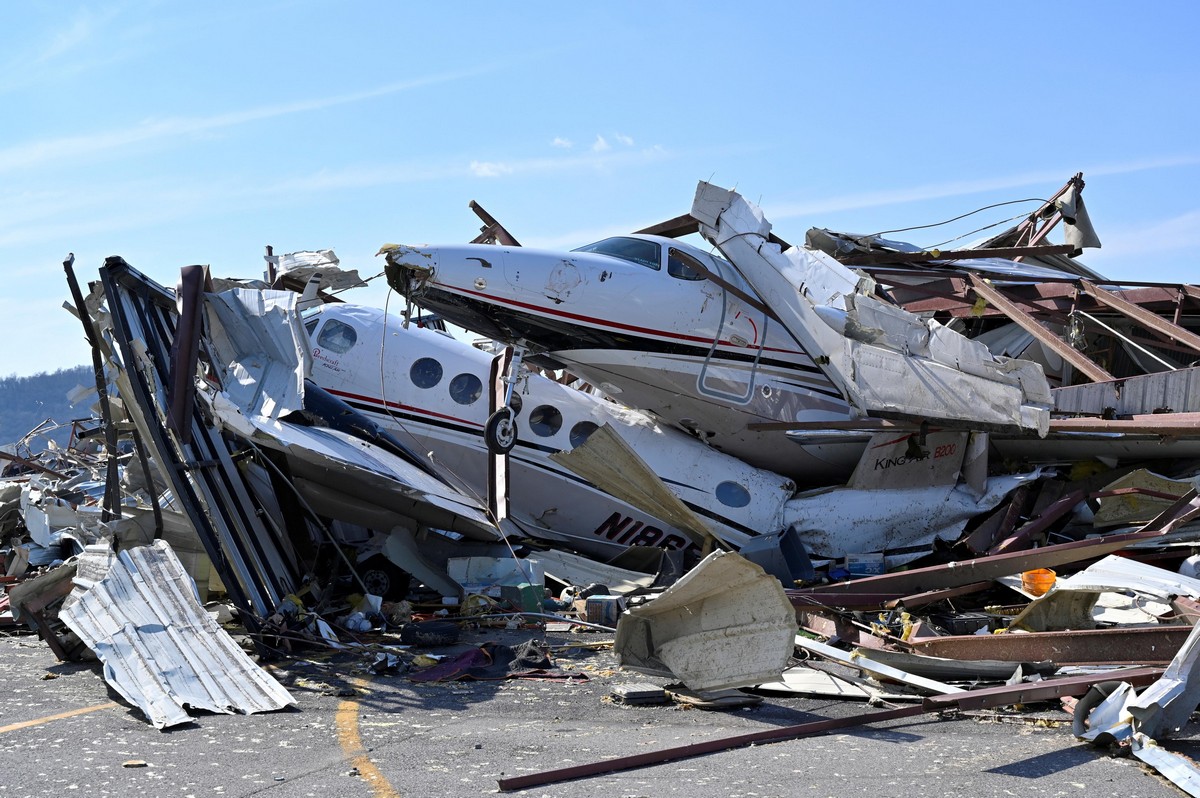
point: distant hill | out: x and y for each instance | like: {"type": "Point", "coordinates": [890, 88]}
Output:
{"type": "Point", "coordinates": [25, 402]}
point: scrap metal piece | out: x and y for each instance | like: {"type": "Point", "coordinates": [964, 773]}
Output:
{"type": "Point", "coordinates": [1146, 644]}
{"type": "Point", "coordinates": [726, 623]}
{"type": "Point", "coordinates": [1180, 770]}
{"type": "Point", "coordinates": [608, 462]}
{"type": "Point", "coordinates": [139, 612]}
{"type": "Point", "coordinates": [878, 669]}
{"type": "Point", "coordinates": [697, 749]}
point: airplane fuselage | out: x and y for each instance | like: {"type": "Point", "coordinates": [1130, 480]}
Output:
{"type": "Point", "coordinates": [428, 385]}
{"type": "Point", "coordinates": [636, 317]}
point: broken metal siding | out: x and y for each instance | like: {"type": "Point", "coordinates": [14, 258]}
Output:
{"type": "Point", "coordinates": [161, 650]}
{"type": "Point", "coordinates": [1177, 391]}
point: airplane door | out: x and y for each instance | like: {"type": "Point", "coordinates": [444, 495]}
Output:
{"type": "Point", "coordinates": [730, 320]}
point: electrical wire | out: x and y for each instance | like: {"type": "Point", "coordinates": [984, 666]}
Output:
{"type": "Point", "coordinates": [963, 216]}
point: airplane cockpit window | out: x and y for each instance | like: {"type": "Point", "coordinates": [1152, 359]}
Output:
{"type": "Point", "coordinates": [466, 388]}
{"type": "Point", "coordinates": [545, 421]}
{"type": "Point", "coordinates": [425, 373]}
{"type": "Point", "coordinates": [635, 250]}
{"type": "Point", "coordinates": [337, 336]}
{"type": "Point", "coordinates": [581, 432]}
{"type": "Point", "coordinates": [683, 266]}
{"type": "Point", "coordinates": [311, 325]}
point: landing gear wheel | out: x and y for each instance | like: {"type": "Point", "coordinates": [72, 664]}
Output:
{"type": "Point", "coordinates": [382, 578]}
{"type": "Point", "coordinates": [500, 432]}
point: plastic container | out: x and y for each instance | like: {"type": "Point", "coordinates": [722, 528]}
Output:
{"type": "Point", "coordinates": [1038, 581]}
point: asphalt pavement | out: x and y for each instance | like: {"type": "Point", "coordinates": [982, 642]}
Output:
{"type": "Point", "coordinates": [354, 733]}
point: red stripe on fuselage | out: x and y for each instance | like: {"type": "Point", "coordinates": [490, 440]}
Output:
{"type": "Point", "coordinates": [605, 323]}
{"type": "Point", "coordinates": [399, 406]}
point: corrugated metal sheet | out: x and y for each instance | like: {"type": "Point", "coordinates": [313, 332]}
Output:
{"type": "Point", "coordinates": [139, 612]}
{"type": "Point", "coordinates": [1178, 391]}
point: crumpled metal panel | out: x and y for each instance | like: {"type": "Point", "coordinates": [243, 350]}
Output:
{"type": "Point", "coordinates": [726, 623]}
{"type": "Point", "coordinates": [139, 612]}
{"type": "Point", "coordinates": [892, 370]}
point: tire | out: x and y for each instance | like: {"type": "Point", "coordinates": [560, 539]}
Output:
{"type": "Point", "coordinates": [429, 633]}
{"type": "Point", "coordinates": [383, 578]}
{"type": "Point", "coordinates": [500, 432]}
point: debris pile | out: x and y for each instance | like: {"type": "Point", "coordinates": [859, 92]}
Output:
{"type": "Point", "coordinates": [932, 480]}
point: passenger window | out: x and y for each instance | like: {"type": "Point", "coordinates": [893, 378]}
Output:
{"type": "Point", "coordinates": [545, 421]}
{"type": "Point", "coordinates": [337, 336]}
{"type": "Point", "coordinates": [683, 266]}
{"type": "Point", "coordinates": [731, 494]}
{"type": "Point", "coordinates": [466, 388]}
{"type": "Point", "coordinates": [581, 432]}
{"type": "Point", "coordinates": [425, 373]}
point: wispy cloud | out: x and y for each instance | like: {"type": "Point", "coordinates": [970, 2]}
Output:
{"type": "Point", "coordinates": [561, 143]}
{"type": "Point", "coordinates": [594, 159]}
{"type": "Point", "coordinates": [1175, 234]}
{"type": "Point", "coordinates": [46, 216]}
{"type": "Point", "coordinates": [64, 41]}
{"type": "Point", "coordinates": [601, 145]}
{"type": "Point", "coordinates": [625, 140]}
{"type": "Point", "coordinates": [33, 154]}
{"type": "Point", "coordinates": [1044, 181]}
{"type": "Point", "coordinates": [490, 169]}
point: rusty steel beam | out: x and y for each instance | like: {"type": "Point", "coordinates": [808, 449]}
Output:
{"type": "Point", "coordinates": [1146, 318]}
{"type": "Point", "coordinates": [1186, 608]}
{"type": "Point", "coordinates": [880, 258]}
{"type": "Point", "coordinates": [492, 231]}
{"type": "Point", "coordinates": [930, 596]}
{"type": "Point", "coordinates": [697, 749]}
{"type": "Point", "coordinates": [1147, 645]}
{"type": "Point", "coordinates": [844, 629]}
{"type": "Point", "coordinates": [1004, 695]}
{"type": "Point", "coordinates": [1160, 424]}
{"type": "Point", "coordinates": [955, 574]}
{"type": "Point", "coordinates": [1045, 690]}
{"type": "Point", "coordinates": [1080, 361]}
{"type": "Point", "coordinates": [1041, 523]}
{"type": "Point", "coordinates": [672, 228]}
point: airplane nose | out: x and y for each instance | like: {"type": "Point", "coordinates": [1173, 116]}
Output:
{"type": "Point", "coordinates": [414, 262]}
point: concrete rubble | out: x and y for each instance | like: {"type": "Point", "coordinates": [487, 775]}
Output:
{"type": "Point", "coordinates": [1040, 552]}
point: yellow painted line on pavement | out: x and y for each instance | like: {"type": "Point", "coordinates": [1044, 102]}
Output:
{"type": "Point", "coordinates": [25, 724]}
{"type": "Point", "coordinates": [352, 745]}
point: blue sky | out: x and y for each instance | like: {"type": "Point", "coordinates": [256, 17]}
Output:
{"type": "Point", "coordinates": [173, 133]}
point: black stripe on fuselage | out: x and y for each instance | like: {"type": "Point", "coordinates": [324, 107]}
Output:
{"type": "Point", "coordinates": [394, 415]}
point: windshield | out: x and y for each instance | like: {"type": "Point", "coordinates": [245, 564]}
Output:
{"type": "Point", "coordinates": [634, 250]}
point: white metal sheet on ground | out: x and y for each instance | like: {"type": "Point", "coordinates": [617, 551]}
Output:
{"type": "Point", "coordinates": [138, 611]}
{"type": "Point", "coordinates": [812, 682]}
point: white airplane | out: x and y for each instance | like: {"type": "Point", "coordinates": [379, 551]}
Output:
{"type": "Point", "coordinates": [636, 317]}
{"type": "Point", "coordinates": [719, 348]}
{"type": "Point", "coordinates": [424, 384]}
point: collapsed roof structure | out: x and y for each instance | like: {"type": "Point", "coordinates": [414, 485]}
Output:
{"type": "Point", "coordinates": [1043, 388]}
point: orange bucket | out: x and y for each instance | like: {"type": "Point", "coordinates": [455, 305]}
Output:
{"type": "Point", "coordinates": [1038, 581]}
